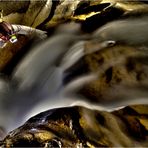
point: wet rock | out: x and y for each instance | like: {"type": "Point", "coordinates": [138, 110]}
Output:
{"type": "Point", "coordinates": [9, 52]}
{"type": "Point", "coordinates": [81, 126]}
{"type": "Point", "coordinates": [120, 70]}
{"type": "Point", "coordinates": [122, 76]}
{"type": "Point", "coordinates": [46, 14]}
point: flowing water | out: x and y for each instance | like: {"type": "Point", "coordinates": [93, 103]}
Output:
{"type": "Point", "coordinates": [37, 82]}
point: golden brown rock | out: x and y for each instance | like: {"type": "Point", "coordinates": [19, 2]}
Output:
{"type": "Point", "coordinates": [46, 14]}
{"type": "Point", "coordinates": [9, 51]}
{"type": "Point", "coordinates": [121, 69]}
{"type": "Point", "coordinates": [122, 73]}
{"type": "Point", "coordinates": [83, 127]}
{"type": "Point", "coordinates": [50, 13]}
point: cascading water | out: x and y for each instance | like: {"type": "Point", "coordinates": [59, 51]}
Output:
{"type": "Point", "coordinates": [37, 82]}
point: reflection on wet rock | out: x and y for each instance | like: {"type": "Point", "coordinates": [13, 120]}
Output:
{"type": "Point", "coordinates": [49, 13]}
{"type": "Point", "coordinates": [80, 126]}
{"type": "Point", "coordinates": [94, 52]}
{"type": "Point", "coordinates": [9, 51]}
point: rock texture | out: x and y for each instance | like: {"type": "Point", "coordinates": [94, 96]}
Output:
{"type": "Point", "coordinates": [121, 69]}
{"type": "Point", "coordinates": [79, 126]}
{"type": "Point", "coordinates": [46, 15]}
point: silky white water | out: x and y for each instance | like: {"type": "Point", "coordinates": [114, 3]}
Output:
{"type": "Point", "coordinates": [37, 81]}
